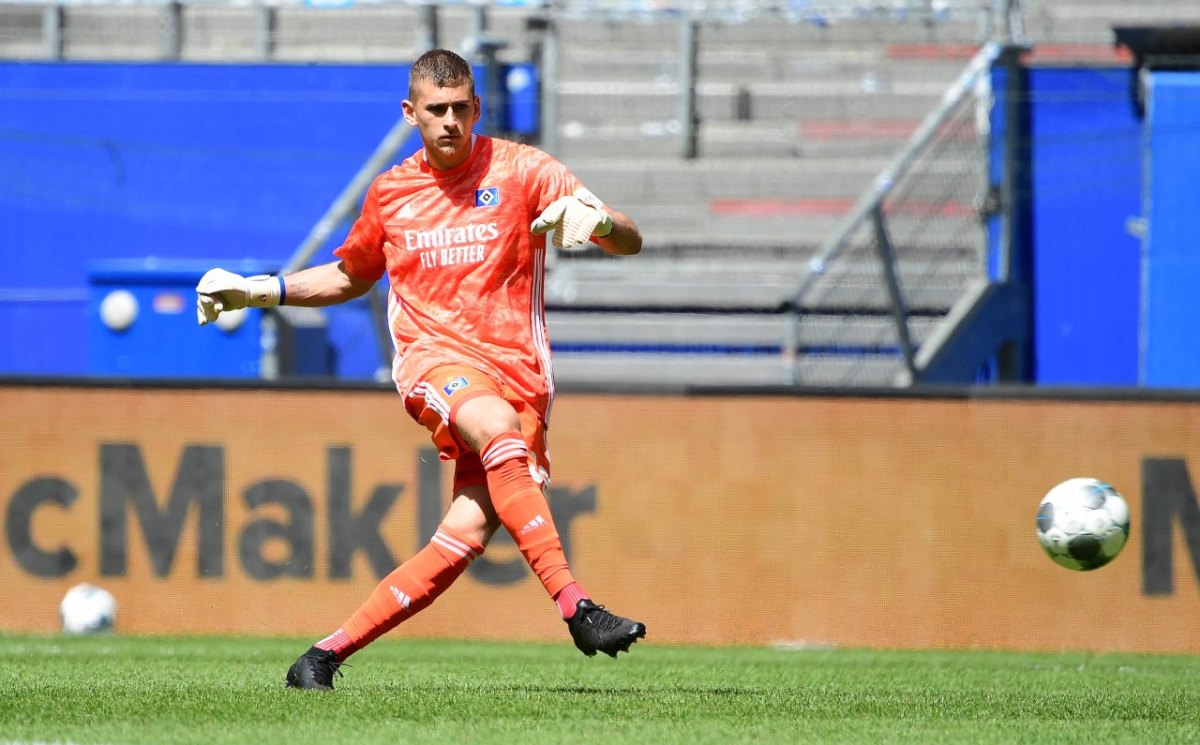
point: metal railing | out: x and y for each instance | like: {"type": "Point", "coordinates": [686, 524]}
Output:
{"type": "Point", "coordinates": [866, 228]}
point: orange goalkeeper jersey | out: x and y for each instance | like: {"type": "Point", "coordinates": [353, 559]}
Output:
{"type": "Point", "coordinates": [466, 273]}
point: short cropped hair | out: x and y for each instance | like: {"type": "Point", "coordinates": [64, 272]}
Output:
{"type": "Point", "coordinates": [443, 68]}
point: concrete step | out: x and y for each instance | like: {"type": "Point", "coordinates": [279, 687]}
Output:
{"type": "Point", "coordinates": [353, 33]}
{"type": "Point", "coordinates": [1081, 21]}
{"type": "Point", "coordinates": [659, 225]}
{"type": "Point", "coordinates": [930, 283]}
{"type": "Point", "coordinates": [665, 182]}
{"type": "Point", "coordinates": [646, 282]}
{"type": "Point", "coordinates": [656, 139]}
{"type": "Point", "coordinates": [762, 63]}
{"type": "Point", "coordinates": [684, 370]}
{"type": "Point", "coordinates": [391, 32]}
{"type": "Point", "coordinates": [874, 27]}
{"type": "Point", "coordinates": [395, 32]}
{"type": "Point", "coordinates": [648, 369]}
{"type": "Point", "coordinates": [675, 225]}
{"type": "Point", "coordinates": [837, 370]}
{"type": "Point", "coordinates": [726, 330]}
{"type": "Point", "coordinates": [665, 32]}
{"type": "Point", "coordinates": [868, 295]}
{"type": "Point", "coordinates": [114, 32]}
{"type": "Point", "coordinates": [816, 331]}
{"type": "Point", "coordinates": [221, 33]}
{"type": "Point", "coordinates": [591, 103]}
{"type": "Point", "coordinates": [834, 139]}
{"type": "Point", "coordinates": [21, 31]}
{"type": "Point", "coordinates": [679, 329]}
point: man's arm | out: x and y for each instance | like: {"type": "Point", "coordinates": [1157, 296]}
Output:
{"type": "Point", "coordinates": [318, 286]}
{"type": "Point", "coordinates": [325, 284]}
{"type": "Point", "coordinates": [581, 217]}
{"type": "Point", "coordinates": [624, 240]}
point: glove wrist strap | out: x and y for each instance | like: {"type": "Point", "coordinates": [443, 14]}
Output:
{"type": "Point", "coordinates": [265, 291]}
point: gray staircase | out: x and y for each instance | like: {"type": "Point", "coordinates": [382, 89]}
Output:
{"type": "Point", "coordinates": [795, 122]}
{"type": "Point", "coordinates": [796, 119]}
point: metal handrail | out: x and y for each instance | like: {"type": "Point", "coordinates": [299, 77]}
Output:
{"type": "Point", "coordinates": [882, 186]}
{"type": "Point", "coordinates": [870, 203]}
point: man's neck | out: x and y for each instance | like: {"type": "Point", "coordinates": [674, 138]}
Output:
{"type": "Point", "coordinates": [465, 158]}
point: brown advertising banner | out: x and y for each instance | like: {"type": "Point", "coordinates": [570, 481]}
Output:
{"type": "Point", "coordinates": [897, 522]}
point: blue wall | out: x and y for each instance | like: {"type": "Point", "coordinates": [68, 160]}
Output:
{"type": "Point", "coordinates": [1171, 355]}
{"type": "Point", "coordinates": [209, 162]}
{"type": "Point", "coordinates": [1086, 160]}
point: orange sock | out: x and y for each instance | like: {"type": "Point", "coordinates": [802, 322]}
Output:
{"type": "Point", "coordinates": [410, 588]}
{"type": "Point", "coordinates": [523, 509]}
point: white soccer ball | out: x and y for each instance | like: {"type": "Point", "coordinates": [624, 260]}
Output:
{"type": "Point", "coordinates": [87, 609]}
{"type": "Point", "coordinates": [1083, 523]}
{"type": "Point", "coordinates": [119, 309]}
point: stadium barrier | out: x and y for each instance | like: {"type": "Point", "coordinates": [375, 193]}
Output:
{"type": "Point", "coordinates": [818, 519]}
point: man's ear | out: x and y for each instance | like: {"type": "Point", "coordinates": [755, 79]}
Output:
{"type": "Point", "coordinates": [409, 111]}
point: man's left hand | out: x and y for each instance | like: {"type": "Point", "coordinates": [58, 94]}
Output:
{"type": "Point", "coordinates": [574, 220]}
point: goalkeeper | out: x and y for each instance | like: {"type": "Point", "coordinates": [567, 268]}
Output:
{"type": "Point", "coordinates": [459, 230]}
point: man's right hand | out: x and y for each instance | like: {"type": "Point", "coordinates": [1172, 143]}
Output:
{"type": "Point", "coordinates": [219, 291]}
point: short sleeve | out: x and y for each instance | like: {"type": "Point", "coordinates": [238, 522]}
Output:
{"type": "Point", "coordinates": [548, 180]}
{"type": "Point", "coordinates": [362, 252]}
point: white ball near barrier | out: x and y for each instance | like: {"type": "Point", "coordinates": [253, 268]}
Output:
{"type": "Point", "coordinates": [118, 310]}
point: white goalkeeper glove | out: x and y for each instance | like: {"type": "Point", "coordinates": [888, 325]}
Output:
{"type": "Point", "coordinates": [220, 291]}
{"type": "Point", "coordinates": [574, 220]}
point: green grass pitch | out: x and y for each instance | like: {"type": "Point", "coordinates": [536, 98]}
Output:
{"type": "Point", "coordinates": [214, 690]}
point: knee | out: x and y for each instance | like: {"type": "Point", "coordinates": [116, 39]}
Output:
{"type": "Point", "coordinates": [477, 530]}
{"type": "Point", "coordinates": [471, 516]}
{"type": "Point", "coordinates": [481, 419]}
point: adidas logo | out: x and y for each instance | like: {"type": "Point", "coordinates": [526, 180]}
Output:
{"type": "Point", "coordinates": [401, 598]}
{"type": "Point", "coordinates": [406, 212]}
{"type": "Point", "coordinates": [533, 525]}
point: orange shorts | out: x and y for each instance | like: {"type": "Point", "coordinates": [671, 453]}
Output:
{"type": "Point", "coordinates": [434, 401]}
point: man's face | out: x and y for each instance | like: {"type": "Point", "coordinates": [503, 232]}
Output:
{"type": "Point", "coordinates": [445, 118]}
